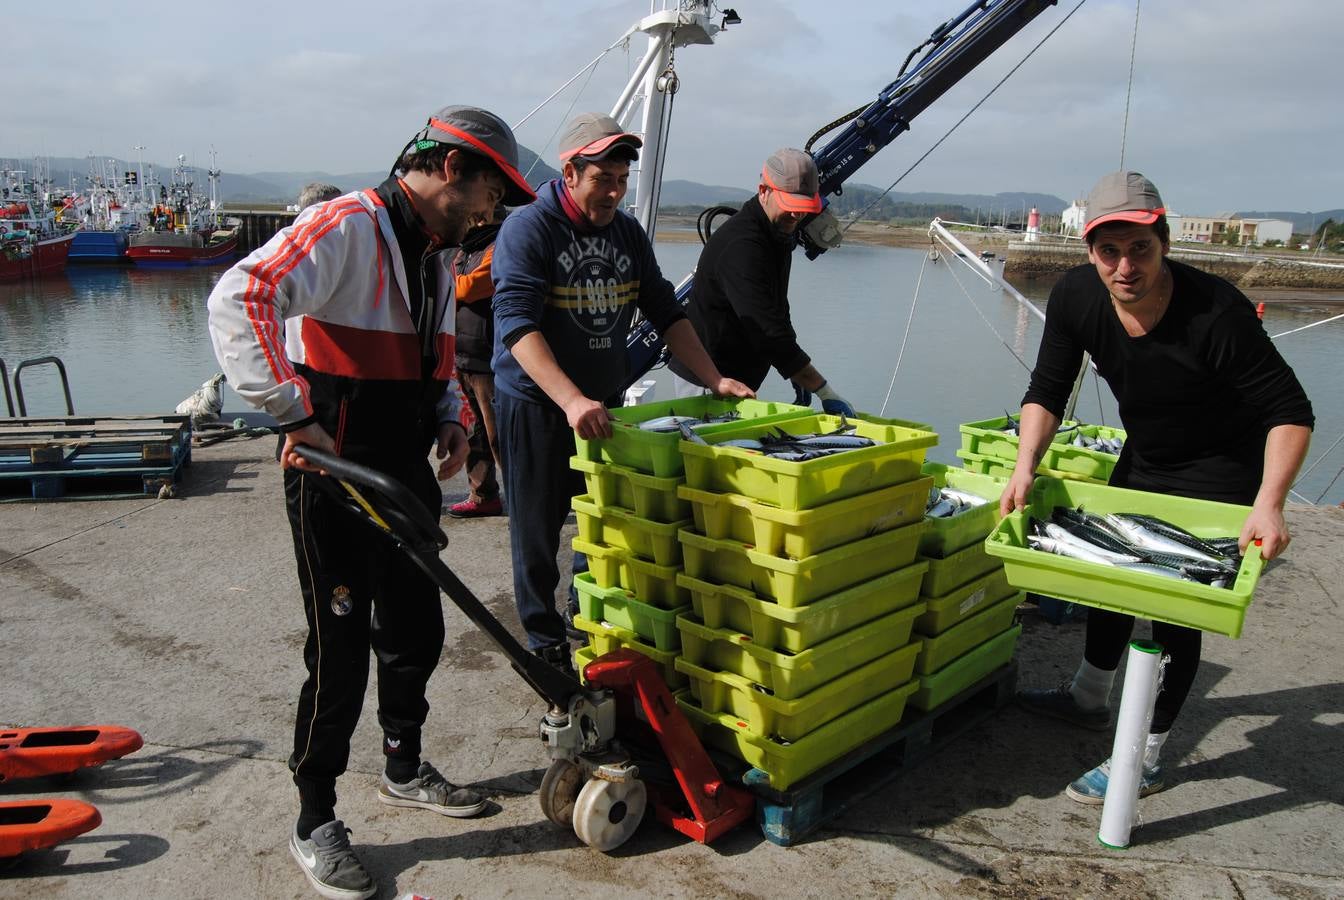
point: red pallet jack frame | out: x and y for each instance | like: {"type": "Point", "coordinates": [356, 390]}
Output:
{"type": "Point", "coordinates": [35, 824]}
{"type": "Point", "coordinates": [701, 806]}
{"type": "Point", "coordinates": [35, 752]}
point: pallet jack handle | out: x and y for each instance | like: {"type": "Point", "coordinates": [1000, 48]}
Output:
{"type": "Point", "coordinates": [393, 509]}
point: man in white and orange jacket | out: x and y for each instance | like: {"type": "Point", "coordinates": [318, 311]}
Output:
{"type": "Point", "coordinates": [342, 328]}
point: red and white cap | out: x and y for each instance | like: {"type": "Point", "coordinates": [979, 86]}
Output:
{"type": "Point", "coordinates": [593, 136]}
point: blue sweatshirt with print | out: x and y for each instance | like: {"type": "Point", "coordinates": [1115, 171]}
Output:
{"type": "Point", "coordinates": [579, 287]}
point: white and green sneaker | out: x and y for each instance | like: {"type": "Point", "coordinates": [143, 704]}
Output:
{"type": "Point", "coordinates": [331, 865]}
{"type": "Point", "coordinates": [430, 790]}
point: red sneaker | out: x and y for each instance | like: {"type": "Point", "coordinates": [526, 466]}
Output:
{"type": "Point", "coordinates": [476, 509]}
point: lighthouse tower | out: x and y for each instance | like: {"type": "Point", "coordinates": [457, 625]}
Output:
{"type": "Point", "coordinates": [1033, 226]}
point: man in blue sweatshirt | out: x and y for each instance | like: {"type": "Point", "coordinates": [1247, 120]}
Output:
{"type": "Point", "coordinates": [569, 272]}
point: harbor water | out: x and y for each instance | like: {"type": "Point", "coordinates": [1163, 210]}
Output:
{"type": "Point", "coordinates": [135, 341]}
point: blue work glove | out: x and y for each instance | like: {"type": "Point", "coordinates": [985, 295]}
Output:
{"type": "Point", "coordinates": [801, 395]}
{"type": "Point", "coordinates": [833, 403]}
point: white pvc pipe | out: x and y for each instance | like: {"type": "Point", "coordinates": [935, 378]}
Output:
{"type": "Point", "coordinates": [1143, 679]}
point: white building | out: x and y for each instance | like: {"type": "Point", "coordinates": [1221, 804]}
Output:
{"type": "Point", "coordinates": [1072, 220]}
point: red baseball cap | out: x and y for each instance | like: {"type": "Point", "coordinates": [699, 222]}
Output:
{"type": "Point", "coordinates": [793, 175]}
{"type": "Point", "coordinates": [593, 135]}
{"type": "Point", "coordinates": [1123, 197]}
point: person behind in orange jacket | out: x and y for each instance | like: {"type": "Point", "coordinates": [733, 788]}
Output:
{"type": "Point", "coordinates": [475, 343]}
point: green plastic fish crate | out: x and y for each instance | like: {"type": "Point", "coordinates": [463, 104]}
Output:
{"type": "Point", "coordinates": [617, 567]}
{"type": "Point", "coordinates": [951, 572]}
{"type": "Point", "coordinates": [987, 438]}
{"type": "Point", "coordinates": [796, 533]}
{"type": "Point", "coordinates": [939, 687]}
{"type": "Point", "coordinates": [961, 638]}
{"type": "Point", "coordinates": [790, 675]}
{"type": "Point", "coordinates": [788, 763]}
{"type": "Point", "coordinates": [948, 535]}
{"type": "Point", "coordinates": [618, 527]}
{"type": "Point", "coordinates": [1219, 610]}
{"type": "Point", "coordinates": [770, 717]}
{"type": "Point", "coordinates": [603, 639]}
{"type": "Point", "coordinates": [650, 497]}
{"type": "Point", "coordinates": [896, 458]}
{"type": "Point", "coordinates": [657, 452]}
{"type": "Point", "coordinates": [949, 609]}
{"type": "Point", "coordinates": [1002, 468]}
{"type": "Point", "coordinates": [617, 606]}
{"type": "Point", "coordinates": [1065, 457]}
{"type": "Point", "coordinates": [795, 629]}
{"type": "Point", "coordinates": [796, 582]}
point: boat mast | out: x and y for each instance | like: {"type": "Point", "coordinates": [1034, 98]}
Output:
{"type": "Point", "coordinates": [650, 90]}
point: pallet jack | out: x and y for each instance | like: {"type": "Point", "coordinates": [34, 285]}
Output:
{"type": "Point", "coordinates": [597, 784]}
{"type": "Point", "coordinates": [38, 752]}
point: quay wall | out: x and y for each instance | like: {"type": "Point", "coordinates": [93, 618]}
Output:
{"type": "Point", "coordinates": [1245, 271]}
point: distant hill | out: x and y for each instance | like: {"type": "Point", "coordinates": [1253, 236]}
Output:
{"type": "Point", "coordinates": [691, 193]}
{"type": "Point", "coordinates": [1303, 223]}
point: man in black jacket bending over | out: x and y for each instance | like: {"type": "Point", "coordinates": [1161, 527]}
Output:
{"type": "Point", "coordinates": [740, 300]}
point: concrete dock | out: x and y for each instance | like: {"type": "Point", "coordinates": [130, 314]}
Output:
{"type": "Point", "coordinates": [182, 619]}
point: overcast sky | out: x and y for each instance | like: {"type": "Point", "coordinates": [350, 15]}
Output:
{"type": "Point", "coordinates": [1236, 103]}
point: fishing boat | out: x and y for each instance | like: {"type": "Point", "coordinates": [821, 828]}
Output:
{"type": "Point", "coordinates": [34, 241]}
{"type": "Point", "coordinates": [185, 229]}
{"type": "Point", "coordinates": [110, 210]}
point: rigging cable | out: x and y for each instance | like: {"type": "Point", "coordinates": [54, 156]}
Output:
{"type": "Point", "coordinates": [957, 125]}
{"type": "Point", "coordinates": [1129, 91]}
{"type": "Point", "coordinates": [906, 337]}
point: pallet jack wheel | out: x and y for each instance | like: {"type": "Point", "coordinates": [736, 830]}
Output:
{"type": "Point", "coordinates": [559, 789]}
{"type": "Point", "coordinates": [607, 813]}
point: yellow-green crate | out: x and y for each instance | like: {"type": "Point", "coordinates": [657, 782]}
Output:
{"type": "Point", "coordinates": [957, 605]}
{"type": "Point", "coordinates": [959, 639]}
{"type": "Point", "coordinates": [656, 452]}
{"type": "Point", "coordinates": [787, 764]}
{"type": "Point", "coordinates": [604, 639]}
{"type": "Point", "coordinates": [948, 535]}
{"type": "Point", "coordinates": [796, 533]}
{"type": "Point", "coordinates": [648, 581]}
{"type": "Point", "coordinates": [790, 675]}
{"type": "Point", "coordinates": [796, 582]}
{"type": "Point", "coordinates": [1188, 603]}
{"type": "Point", "coordinates": [987, 438]}
{"type": "Point", "coordinates": [770, 717]}
{"type": "Point", "coordinates": [952, 572]}
{"type": "Point", "coordinates": [941, 686]}
{"type": "Point", "coordinates": [617, 606]}
{"type": "Point", "coordinates": [650, 497]}
{"type": "Point", "coordinates": [795, 629]}
{"type": "Point", "coordinates": [618, 527]}
{"type": "Point", "coordinates": [1063, 456]}
{"type": "Point", "coordinates": [1002, 468]}
{"type": "Point", "coordinates": [802, 485]}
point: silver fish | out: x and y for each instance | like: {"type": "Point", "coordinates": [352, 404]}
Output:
{"type": "Point", "coordinates": [1145, 538]}
{"type": "Point", "coordinates": [1065, 537]}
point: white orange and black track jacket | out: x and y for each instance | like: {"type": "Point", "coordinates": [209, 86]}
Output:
{"type": "Point", "coordinates": [316, 326]}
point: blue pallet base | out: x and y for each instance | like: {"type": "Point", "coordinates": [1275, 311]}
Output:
{"type": "Point", "coordinates": [82, 458]}
{"type": "Point", "coordinates": [786, 817]}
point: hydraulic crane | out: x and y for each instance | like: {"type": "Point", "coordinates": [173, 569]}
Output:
{"type": "Point", "coordinates": [953, 49]}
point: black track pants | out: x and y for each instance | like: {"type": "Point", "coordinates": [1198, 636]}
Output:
{"type": "Point", "coordinates": [359, 592]}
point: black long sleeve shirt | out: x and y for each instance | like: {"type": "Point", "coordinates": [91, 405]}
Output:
{"type": "Point", "coordinates": [1197, 394]}
{"type": "Point", "coordinates": [740, 300]}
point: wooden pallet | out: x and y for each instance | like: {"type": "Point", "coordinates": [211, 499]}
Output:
{"type": "Point", "coordinates": [785, 817]}
{"type": "Point", "coordinates": [91, 457]}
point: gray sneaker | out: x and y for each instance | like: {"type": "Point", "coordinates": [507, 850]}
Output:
{"type": "Point", "coordinates": [1059, 704]}
{"type": "Point", "coordinates": [430, 790]}
{"type": "Point", "coordinates": [330, 864]}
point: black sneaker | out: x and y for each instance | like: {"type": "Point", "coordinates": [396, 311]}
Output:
{"type": "Point", "coordinates": [567, 615]}
{"type": "Point", "coordinates": [430, 790]}
{"type": "Point", "coordinates": [559, 657]}
{"type": "Point", "coordinates": [1058, 703]}
{"type": "Point", "coordinates": [331, 865]}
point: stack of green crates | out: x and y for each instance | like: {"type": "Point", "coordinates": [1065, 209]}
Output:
{"type": "Point", "coordinates": [804, 591]}
{"type": "Point", "coordinates": [989, 450]}
{"type": "Point", "coordinates": [628, 523]}
{"type": "Point", "coordinates": [966, 630]}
